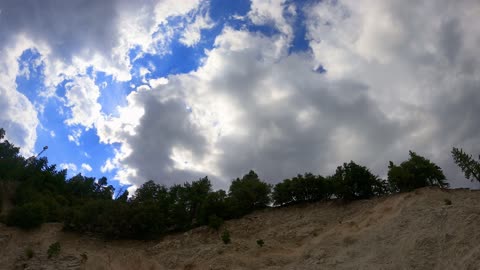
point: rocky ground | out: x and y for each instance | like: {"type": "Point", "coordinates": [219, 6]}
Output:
{"type": "Point", "coordinates": [416, 230]}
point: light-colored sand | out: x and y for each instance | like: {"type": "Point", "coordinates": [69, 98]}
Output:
{"type": "Point", "coordinates": [414, 230]}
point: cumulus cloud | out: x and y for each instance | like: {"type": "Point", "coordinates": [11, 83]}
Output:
{"type": "Point", "coordinates": [86, 167]}
{"type": "Point", "coordinates": [68, 166]}
{"type": "Point", "coordinates": [393, 82]}
{"type": "Point", "coordinates": [399, 75]}
{"type": "Point", "coordinates": [82, 94]}
{"type": "Point", "coordinates": [71, 38]}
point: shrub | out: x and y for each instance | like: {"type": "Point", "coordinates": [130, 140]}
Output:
{"type": "Point", "coordinates": [226, 237]}
{"type": "Point", "coordinates": [447, 202]}
{"type": "Point", "coordinates": [260, 242]}
{"type": "Point", "coordinates": [414, 173]}
{"type": "Point", "coordinates": [215, 222]}
{"type": "Point", "coordinates": [54, 250]}
{"type": "Point", "coordinates": [27, 216]}
{"type": "Point", "coordinates": [29, 253]}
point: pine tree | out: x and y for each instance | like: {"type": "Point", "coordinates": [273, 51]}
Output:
{"type": "Point", "coordinates": [469, 166]}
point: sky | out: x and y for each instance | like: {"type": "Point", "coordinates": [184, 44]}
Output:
{"type": "Point", "coordinates": [172, 91]}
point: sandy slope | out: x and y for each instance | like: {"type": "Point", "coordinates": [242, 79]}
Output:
{"type": "Point", "coordinates": [414, 230]}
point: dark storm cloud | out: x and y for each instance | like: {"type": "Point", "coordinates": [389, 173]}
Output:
{"type": "Point", "coordinates": [69, 27]}
{"type": "Point", "coordinates": [164, 125]}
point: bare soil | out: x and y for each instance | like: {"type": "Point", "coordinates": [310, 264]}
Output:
{"type": "Point", "coordinates": [416, 230]}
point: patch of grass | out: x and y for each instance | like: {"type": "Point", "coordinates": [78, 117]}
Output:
{"type": "Point", "coordinates": [447, 202]}
{"type": "Point", "coordinates": [226, 237]}
{"type": "Point", "coordinates": [260, 242]}
{"type": "Point", "coordinates": [54, 250]}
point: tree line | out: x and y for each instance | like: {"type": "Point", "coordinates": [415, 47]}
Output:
{"type": "Point", "coordinates": [87, 204]}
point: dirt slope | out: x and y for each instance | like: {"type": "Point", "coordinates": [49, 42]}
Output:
{"type": "Point", "coordinates": [414, 230]}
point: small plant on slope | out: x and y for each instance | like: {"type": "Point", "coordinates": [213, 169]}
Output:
{"type": "Point", "coordinates": [226, 237]}
{"type": "Point", "coordinates": [53, 250]}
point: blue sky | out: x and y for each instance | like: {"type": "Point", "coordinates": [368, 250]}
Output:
{"type": "Point", "coordinates": [175, 91]}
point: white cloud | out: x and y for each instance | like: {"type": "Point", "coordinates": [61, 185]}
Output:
{"type": "Point", "coordinates": [192, 33]}
{"type": "Point", "coordinates": [154, 83]}
{"type": "Point", "coordinates": [75, 136]}
{"type": "Point", "coordinates": [68, 166]}
{"type": "Point", "coordinates": [82, 98]}
{"type": "Point", "coordinates": [252, 106]}
{"type": "Point", "coordinates": [86, 167]}
{"type": "Point", "coordinates": [274, 12]}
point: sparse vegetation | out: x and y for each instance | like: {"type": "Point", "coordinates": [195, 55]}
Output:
{"type": "Point", "coordinates": [447, 202]}
{"type": "Point", "coordinates": [260, 242]}
{"type": "Point", "coordinates": [54, 250]}
{"type": "Point", "coordinates": [226, 237]}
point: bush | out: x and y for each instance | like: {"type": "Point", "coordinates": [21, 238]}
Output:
{"type": "Point", "coordinates": [54, 250]}
{"type": "Point", "coordinates": [215, 222]}
{"type": "Point", "coordinates": [447, 202]}
{"type": "Point", "coordinates": [414, 173]}
{"type": "Point", "coordinates": [27, 216]}
{"type": "Point", "coordinates": [226, 237]}
{"type": "Point", "coordinates": [353, 182]}
{"type": "Point", "coordinates": [260, 242]}
{"type": "Point", "coordinates": [29, 253]}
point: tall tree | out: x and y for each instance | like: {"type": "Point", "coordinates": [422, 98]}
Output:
{"type": "Point", "coordinates": [469, 166]}
{"type": "Point", "coordinates": [248, 194]}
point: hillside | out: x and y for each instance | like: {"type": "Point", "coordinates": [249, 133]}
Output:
{"type": "Point", "coordinates": [415, 230]}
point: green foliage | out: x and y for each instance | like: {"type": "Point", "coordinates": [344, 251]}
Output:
{"type": "Point", "coordinates": [470, 167]}
{"type": "Point", "coordinates": [303, 188]}
{"type": "Point", "coordinates": [353, 182]}
{"type": "Point", "coordinates": [226, 237]}
{"type": "Point", "coordinates": [414, 173]}
{"type": "Point", "coordinates": [215, 222]}
{"type": "Point", "coordinates": [260, 242]}
{"type": "Point", "coordinates": [248, 194]}
{"type": "Point", "coordinates": [54, 250]}
{"type": "Point", "coordinates": [86, 204]}
{"type": "Point", "coordinates": [27, 216]}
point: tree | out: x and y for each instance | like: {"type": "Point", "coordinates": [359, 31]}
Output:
{"type": "Point", "coordinates": [353, 182]}
{"type": "Point", "coordinates": [27, 216]}
{"type": "Point", "coordinates": [470, 167]}
{"type": "Point", "coordinates": [414, 173]}
{"type": "Point", "coordinates": [248, 194]}
{"type": "Point", "coordinates": [302, 188]}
